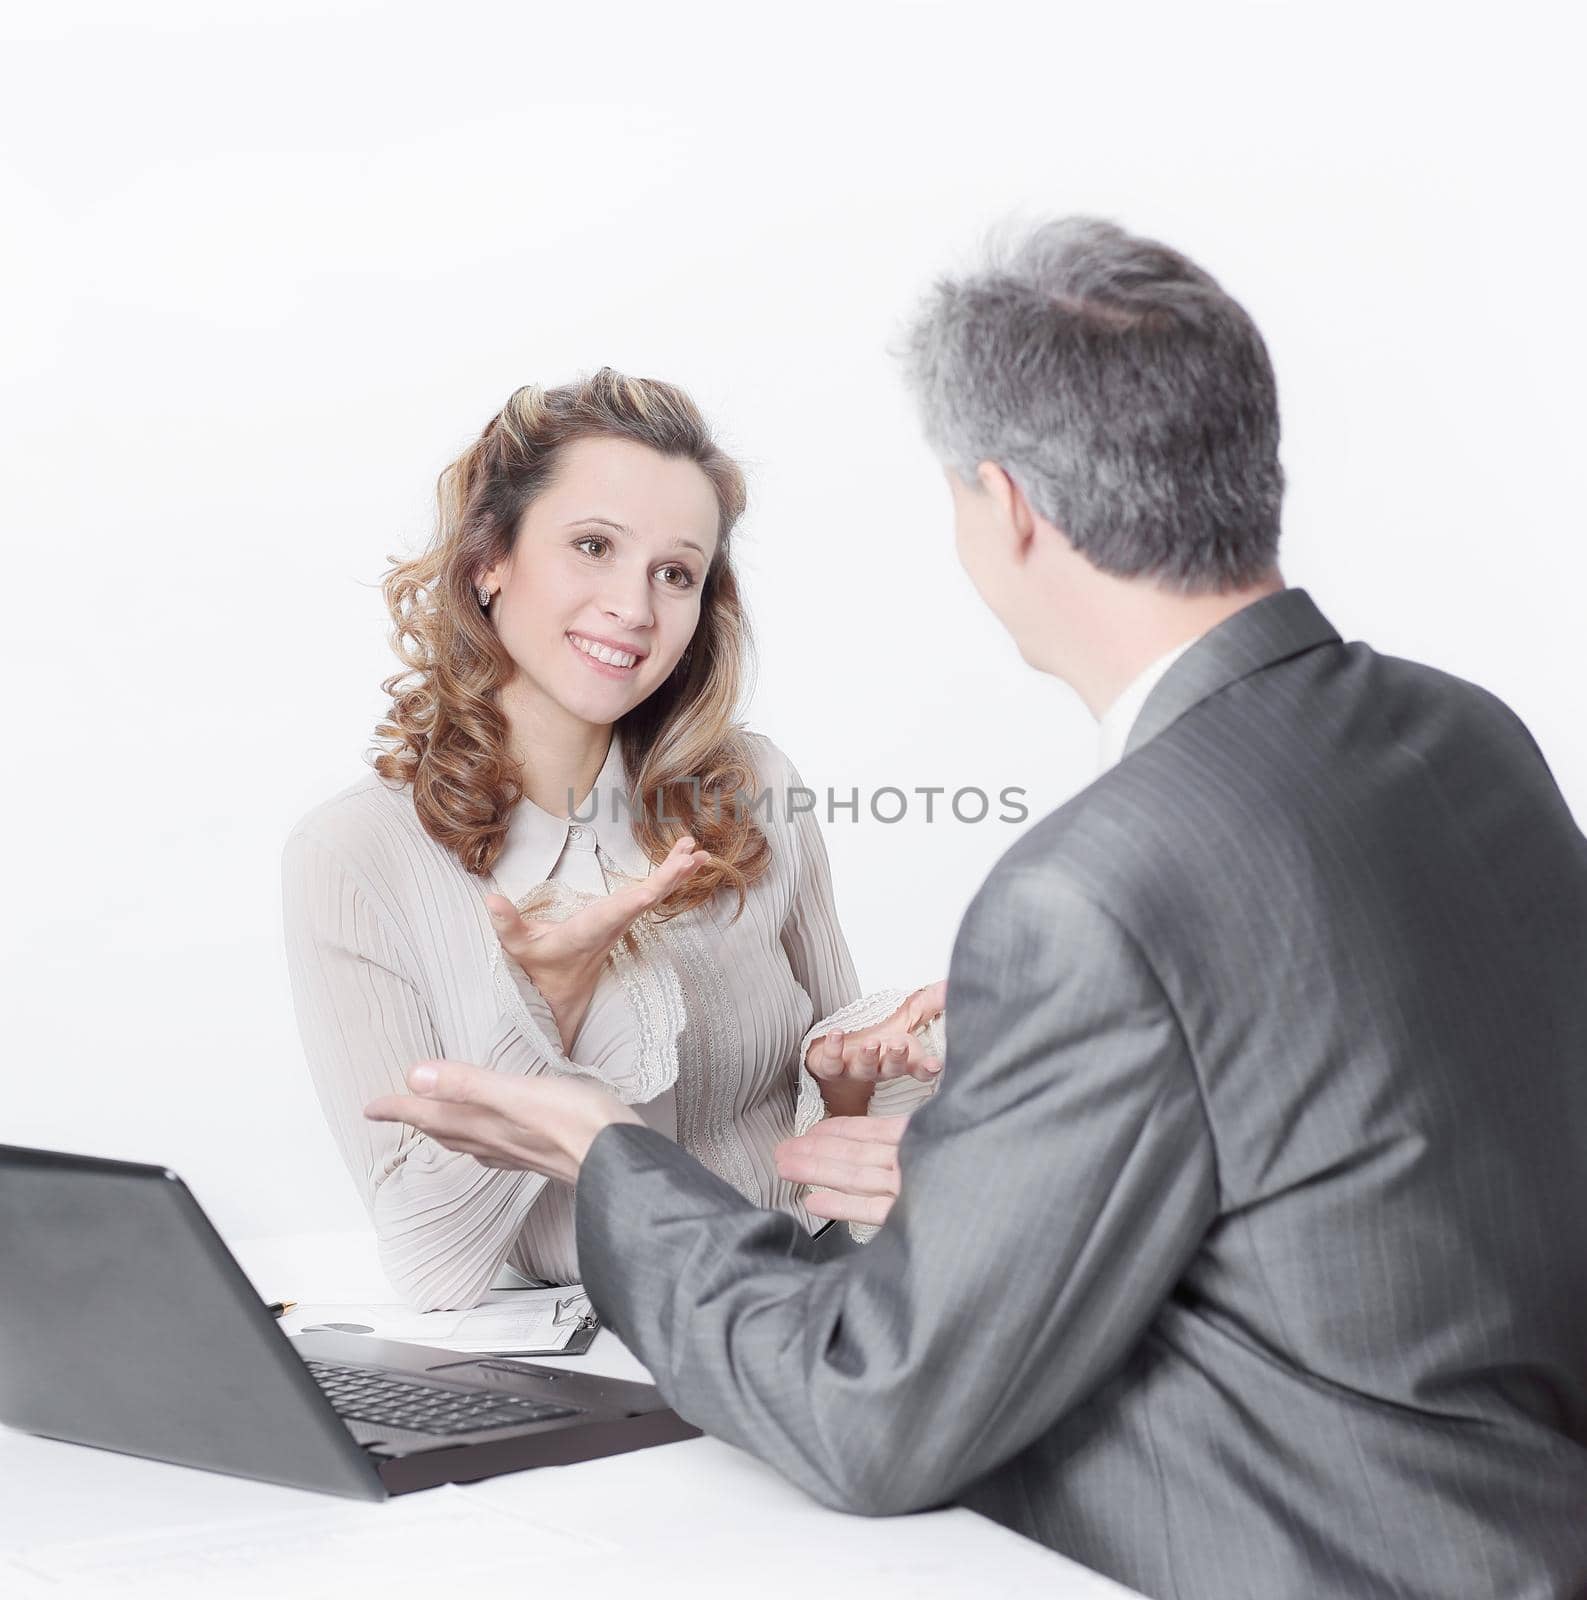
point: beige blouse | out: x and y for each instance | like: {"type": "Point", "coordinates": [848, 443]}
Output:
{"type": "Point", "coordinates": [702, 1027]}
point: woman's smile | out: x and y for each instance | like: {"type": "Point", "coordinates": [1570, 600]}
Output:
{"type": "Point", "coordinates": [603, 659]}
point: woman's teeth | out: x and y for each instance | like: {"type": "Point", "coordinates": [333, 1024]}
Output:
{"type": "Point", "coordinates": [613, 658]}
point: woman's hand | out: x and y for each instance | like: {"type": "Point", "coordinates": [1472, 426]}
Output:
{"type": "Point", "coordinates": [531, 1124]}
{"type": "Point", "coordinates": [850, 1065]}
{"type": "Point", "coordinates": [854, 1163]}
{"type": "Point", "coordinates": [564, 959]}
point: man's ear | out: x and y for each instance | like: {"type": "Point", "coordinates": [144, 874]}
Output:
{"type": "Point", "coordinates": [1013, 508]}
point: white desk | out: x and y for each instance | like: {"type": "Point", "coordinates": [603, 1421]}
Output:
{"type": "Point", "coordinates": [697, 1518]}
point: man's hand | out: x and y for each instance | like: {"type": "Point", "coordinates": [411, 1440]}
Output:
{"type": "Point", "coordinates": [854, 1162]}
{"type": "Point", "coordinates": [543, 1124]}
{"type": "Point", "coordinates": [850, 1065]}
{"type": "Point", "coordinates": [564, 959]}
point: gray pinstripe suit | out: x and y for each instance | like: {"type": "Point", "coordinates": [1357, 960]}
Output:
{"type": "Point", "coordinates": [1242, 1252]}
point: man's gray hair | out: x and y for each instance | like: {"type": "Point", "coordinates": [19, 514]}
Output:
{"type": "Point", "coordinates": [1129, 397]}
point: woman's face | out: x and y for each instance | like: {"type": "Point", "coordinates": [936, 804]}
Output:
{"type": "Point", "coordinates": [611, 556]}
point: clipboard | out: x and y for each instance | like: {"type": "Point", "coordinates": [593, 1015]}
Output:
{"type": "Point", "coordinates": [583, 1336]}
{"type": "Point", "coordinates": [556, 1307]}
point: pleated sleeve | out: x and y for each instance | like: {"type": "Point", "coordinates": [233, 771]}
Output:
{"type": "Point", "coordinates": [818, 954]}
{"type": "Point", "coordinates": [444, 1223]}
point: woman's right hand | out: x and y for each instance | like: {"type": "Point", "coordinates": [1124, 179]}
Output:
{"type": "Point", "coordinates": [564, 959]}
{"type": "Point", "coordinates": [848, 1066]}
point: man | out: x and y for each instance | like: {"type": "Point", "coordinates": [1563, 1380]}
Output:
{"type": "Point", "coordinates": [1240, 1252]}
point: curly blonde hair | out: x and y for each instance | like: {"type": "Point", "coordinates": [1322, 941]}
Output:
{"type": "Point", "coordinates": [691, 766]}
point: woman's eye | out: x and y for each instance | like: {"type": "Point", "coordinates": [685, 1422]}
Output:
{"type": "Point", "coordinates": [682, 578]}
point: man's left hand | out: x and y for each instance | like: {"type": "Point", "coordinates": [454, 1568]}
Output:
{"type": "Point", "coordinates": [541, 1124]}
{"type": "Point", "coordinates": [853, 1161]}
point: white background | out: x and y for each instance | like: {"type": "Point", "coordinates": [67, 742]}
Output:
{"type": "Point", "coordinates": [270, 266]}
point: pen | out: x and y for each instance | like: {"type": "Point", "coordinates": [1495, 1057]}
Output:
{"type": "Point", "coordinates": [281, 1307]}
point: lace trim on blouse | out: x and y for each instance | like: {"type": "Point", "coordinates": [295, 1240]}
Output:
{"type": "Point", "coordinates": [642, 966]}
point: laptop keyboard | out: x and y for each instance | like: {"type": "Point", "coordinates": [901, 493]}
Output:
{"type": "Point", "coordinates": [372, 1394]}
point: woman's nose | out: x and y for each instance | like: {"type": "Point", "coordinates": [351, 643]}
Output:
{"type": "Point", "coordinates": [628, 611]}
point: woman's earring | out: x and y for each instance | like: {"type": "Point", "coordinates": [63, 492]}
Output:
{"type": "Point", "coordinates": [484, 598]}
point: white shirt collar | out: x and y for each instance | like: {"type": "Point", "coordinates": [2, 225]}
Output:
{"type": "Point", "coordinates": [1113, 727]}
{"type": "Point", "coordinates": [536, 839]}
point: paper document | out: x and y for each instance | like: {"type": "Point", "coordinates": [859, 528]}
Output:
{"type": "Point", "coordinates": [506, 1322]}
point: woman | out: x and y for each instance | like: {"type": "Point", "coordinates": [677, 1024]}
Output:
{"type": "Point", "coordinates": [561, 745]}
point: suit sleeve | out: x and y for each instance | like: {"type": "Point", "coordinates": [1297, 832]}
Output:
{"type": "Point", "coordinates": [1053, 1192]}
{"type": "Point", "coordinates": [443, 1222]}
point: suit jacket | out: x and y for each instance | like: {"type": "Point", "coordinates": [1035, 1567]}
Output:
{"type": "Point", "coordinates": [1242, 1251]}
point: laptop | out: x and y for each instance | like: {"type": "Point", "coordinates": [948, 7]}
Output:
{"type": "Point", "coordinates": [126, 1323]}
